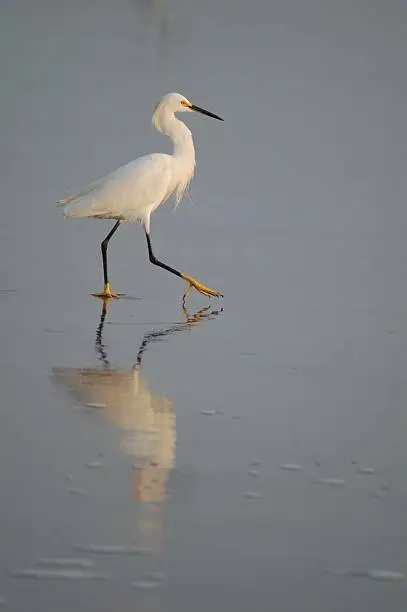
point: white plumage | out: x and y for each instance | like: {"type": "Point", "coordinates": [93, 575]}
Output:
{"type": "Point", "coordinates": [135, 190]}
{"type": "Point", "coordinates": [129, 193]}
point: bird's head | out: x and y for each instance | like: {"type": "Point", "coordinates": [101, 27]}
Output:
{"type": "Point", "coordinates": [177, 103]}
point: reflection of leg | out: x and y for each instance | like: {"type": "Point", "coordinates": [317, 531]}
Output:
{"type": "Point", "coordinates": [99, 346]}
{"type": "Point", "coordinates": [190, 321]}
{"type": "Point", "coordinates": [205, 314]}
{"type": "Point", "coordinates": [107, 292]}
{"type": "Point", "coordinates": [192, 282]}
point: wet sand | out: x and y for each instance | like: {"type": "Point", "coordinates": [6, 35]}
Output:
{"type": "Point", "coordinates": [247, 457]}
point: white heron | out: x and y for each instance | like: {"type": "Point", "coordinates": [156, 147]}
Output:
{"type": "Point", "coordinates": [135, 190]}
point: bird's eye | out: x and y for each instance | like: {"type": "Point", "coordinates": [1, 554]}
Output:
{"type": "Point", "coordinates": [185, 103]}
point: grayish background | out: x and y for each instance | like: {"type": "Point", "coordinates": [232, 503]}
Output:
{"type": "Point", "coordinates": [298, 216]}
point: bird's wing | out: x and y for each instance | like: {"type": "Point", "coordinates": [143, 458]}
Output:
{"type": "Point", "coordinates": [90, 189]}
{"type": "Point", "coordinates": [126, 191]}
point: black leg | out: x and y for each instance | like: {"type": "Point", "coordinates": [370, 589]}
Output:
{"type": "Point", "coordinates": [159, 263]}
{"type": "Point", "coordinates": [104, 251]}
{"type": "Point", "coordinates": [191, 281]}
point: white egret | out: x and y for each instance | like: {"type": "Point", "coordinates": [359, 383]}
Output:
{"type": "Point", "coordinates": [135, 190]}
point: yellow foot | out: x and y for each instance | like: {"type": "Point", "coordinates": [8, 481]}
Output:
{"type": "Point", "coordinates": [106, 294]}
{"type": "Point", "coordinates": [199, 287]}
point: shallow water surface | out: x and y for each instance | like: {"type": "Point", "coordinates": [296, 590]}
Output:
{"type": "Point", "coordinates": [247, 454]}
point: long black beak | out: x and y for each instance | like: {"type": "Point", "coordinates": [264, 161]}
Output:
{"type": "Point", "coordinates": [198, 109]}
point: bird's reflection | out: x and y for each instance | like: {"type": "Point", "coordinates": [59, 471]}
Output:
{"type": "Point", "coordinates": [156, 13]}
{"type": "Point", "coordinates": [168, 22]}
{"type": "Point", "coordinates": [124, 399]}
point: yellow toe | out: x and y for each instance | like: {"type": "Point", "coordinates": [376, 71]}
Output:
{"type": "Point", "coordinates": [201, 288]}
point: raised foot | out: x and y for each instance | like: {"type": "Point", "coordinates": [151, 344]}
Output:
{"type": "Point", "coordinates": [200, 288]}
{"type": "Point", "coordinates": [106, 294]}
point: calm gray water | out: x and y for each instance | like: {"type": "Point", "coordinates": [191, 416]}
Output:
{"type": "Point", "coordinates": [252, 459]}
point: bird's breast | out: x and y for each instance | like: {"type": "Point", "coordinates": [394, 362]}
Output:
{"type": "Point", "coordinates": [183, 177]}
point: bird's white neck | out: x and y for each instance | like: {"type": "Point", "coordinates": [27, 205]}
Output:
{"type": "Point", "coordinates": [182, 140]}
{"type": "Point", "coordinates": [184, 151]}
{"type": "Point", "coordinates": [180, 135]}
